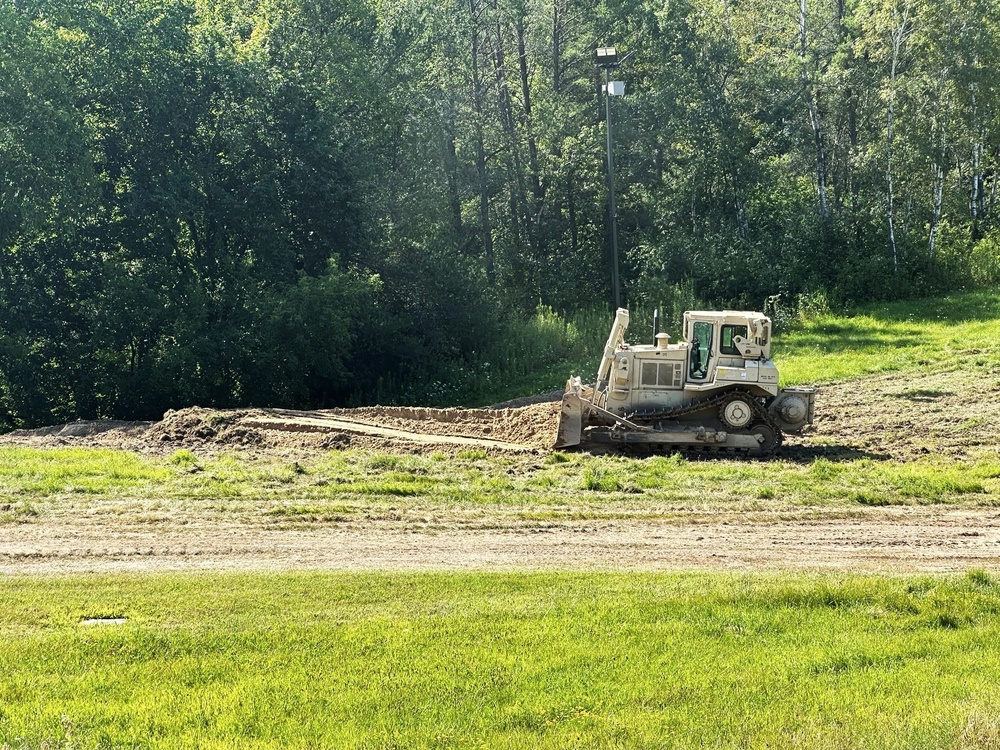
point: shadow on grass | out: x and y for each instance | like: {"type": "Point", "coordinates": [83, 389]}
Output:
{"type": "Point", "coordinates": [966, 307]}
{"type": "Point", "coordinates": [923, 395]}
{"type": "Point", "coordinates": [955, 308]}
{"type": "Point", "coordinates": [796, 454]}
{"type": "Point", "coordinates": [806, 454]}
{"type": "Point", "coordinates": [830, 334]}
{"type": "Point", "coordinates": [851, 338]}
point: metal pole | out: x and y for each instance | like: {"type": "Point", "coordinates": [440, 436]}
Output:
{"type": "Point", "coordinates": [612, 211]}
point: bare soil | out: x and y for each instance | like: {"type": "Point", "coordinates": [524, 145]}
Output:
{"type": "Point", "coordinates": [896, 417]}
{"type": "Point", "coordinates": [895, 540]}
{"type": "Point", "coordinates": [902, 416]}
{"type": "Point", "coordinates": [526, 429]}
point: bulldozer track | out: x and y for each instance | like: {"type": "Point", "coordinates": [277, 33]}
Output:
{"type": "Point", "coordinates": [715, 402]}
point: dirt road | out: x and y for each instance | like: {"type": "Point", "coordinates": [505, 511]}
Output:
{"type": "Point", "coordinates": [907, 539]}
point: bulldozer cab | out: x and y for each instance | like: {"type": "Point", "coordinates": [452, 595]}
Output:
{"type": "Point", "coordinates": [724, 339]}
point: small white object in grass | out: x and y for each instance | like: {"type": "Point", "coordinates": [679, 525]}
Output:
{"type": "Point", "coordinates": [104, 621]}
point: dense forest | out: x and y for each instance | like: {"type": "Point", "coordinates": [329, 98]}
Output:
{"type": "Point", "coordinates": [293, 203]}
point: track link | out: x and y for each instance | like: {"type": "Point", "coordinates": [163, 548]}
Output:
{"type": "Point", "coordinates": [715, 402]}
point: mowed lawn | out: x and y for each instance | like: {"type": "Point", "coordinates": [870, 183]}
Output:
{"type": "Point", "coordinates": [488, 660]}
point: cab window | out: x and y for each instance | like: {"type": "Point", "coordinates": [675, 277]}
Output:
{"type": "Point", "coordinates": [726, 345]}
{"type": "Point", "coordinates": [701, 348]}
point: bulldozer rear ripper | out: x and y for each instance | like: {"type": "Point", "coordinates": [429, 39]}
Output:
{"type": "Point", "coordinates": [716, 390]}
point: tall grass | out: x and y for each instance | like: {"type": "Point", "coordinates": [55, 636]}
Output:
{"type": "Point", "coordinates": [546, 337]}
{"type": "Point", "coordinates": [79, 470]}
{"type": "Point", "coordinates": [534, 355]}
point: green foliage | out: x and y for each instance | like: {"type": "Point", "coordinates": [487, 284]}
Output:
{"type": "Point", "coordinates": [302, 204]}
{"type": "Point", "coordinates": [985, 260]}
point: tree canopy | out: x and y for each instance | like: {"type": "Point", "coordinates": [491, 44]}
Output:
{"type": "Point", "coordinates": [276, 202]}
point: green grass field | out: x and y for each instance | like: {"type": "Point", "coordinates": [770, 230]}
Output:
{"type": "Point", "coordinates": [354, 486]}
{"type": "Point", "coordinates": [463, 660]}
{"type": "Point", "coordinates": [515, 660]}
{"type": "Point", "coordinates": [960, 331]}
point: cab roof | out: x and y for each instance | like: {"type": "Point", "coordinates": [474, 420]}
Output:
{"type": "Point", "coordinates": [726, 314]}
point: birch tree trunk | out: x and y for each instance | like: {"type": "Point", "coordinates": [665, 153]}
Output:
{"type": "Point", "coordinates": [898, 34]}
{"type": "Point", "coordinates": [812, 101]}
{"type": "Point", "coordinates": [938, 171]}
{"type": "Point", "coordinates": [993, 184]}
{"type": "Point", "coordinates": [977, 194]}
{"type": "Point", "coordinates": [937, 202]}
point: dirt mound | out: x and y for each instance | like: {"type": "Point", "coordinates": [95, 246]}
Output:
{"type": "Point", "coordinates": [533, 425]}
{"type": "Point", "coordinates": [400, 428]}
{"type": "Point", "coordinates": [130, 436]}
{"type": "Point", "coordinates": [198, 425]}
{"type": "Point", "coordinates": [84, 429]}
{"type": "Point", "coordinates": [406, 429]}
{"type": "Point", "coordinates": [517, 403]}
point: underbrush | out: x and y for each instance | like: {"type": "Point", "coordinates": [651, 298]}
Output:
{"type": "Point", "coordinates": [544, 660]}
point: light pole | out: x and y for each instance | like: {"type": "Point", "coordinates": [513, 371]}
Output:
{"type": "Point", "coordinates": [607, 58]}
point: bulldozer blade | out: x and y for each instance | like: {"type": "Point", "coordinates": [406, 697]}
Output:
{"type": "Point", "coordinates": [570, 430]}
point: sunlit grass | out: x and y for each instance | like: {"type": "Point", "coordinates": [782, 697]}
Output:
{"type": "Point", "coordinates": [80, 470]}
{"type": "Point", "coordinates": [959, 331]}
{"type": "Point", "coordinates": [349, 485]}
{"type": "Point", "coordinates": [956, 331]}
{"type": "Point", "coordinates": [514, 660]}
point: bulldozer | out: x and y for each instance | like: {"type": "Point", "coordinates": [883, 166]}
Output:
{"type": "Point", "coordinates": [717, 390]}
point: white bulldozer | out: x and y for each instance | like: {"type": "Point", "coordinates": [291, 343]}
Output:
{"type": "Point", "coordinates": [716, 390]}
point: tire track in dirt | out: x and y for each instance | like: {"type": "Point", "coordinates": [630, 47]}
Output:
{"type": "Point", "coordinates": [879, 540]}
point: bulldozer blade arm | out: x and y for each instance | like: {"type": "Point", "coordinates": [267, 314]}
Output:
{"type": "Point", "coordinates": [570, 430]}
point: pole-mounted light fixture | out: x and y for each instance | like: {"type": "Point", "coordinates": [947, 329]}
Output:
{"type": "Point", "coordinates": [607, 59]}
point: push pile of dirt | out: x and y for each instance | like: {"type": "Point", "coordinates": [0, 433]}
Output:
{"type": "Point", "coordinates": [102, 433]}
{"type": "Point", "coordinates": [398, 428]}
{"type": "Point", "coordinates": [896, 415]}
{"type": "Point", "coordinates": [84, 429]}
{"type": "Point", "coordinates": [533, 425]}
{"type": "Point", "coordinates": [198, 425]}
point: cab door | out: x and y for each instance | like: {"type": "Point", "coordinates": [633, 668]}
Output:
{"type": "Point", "coordinates": [701, 362]}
